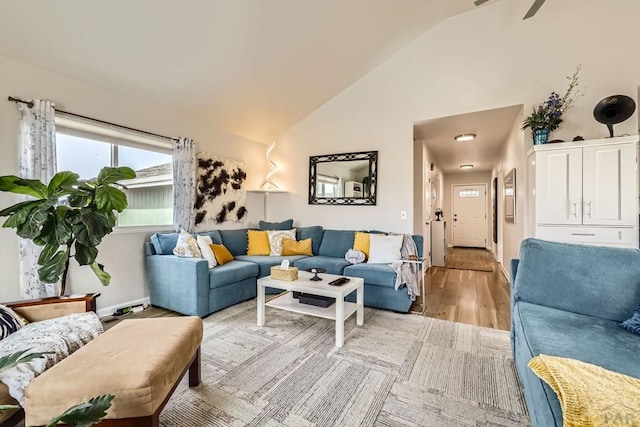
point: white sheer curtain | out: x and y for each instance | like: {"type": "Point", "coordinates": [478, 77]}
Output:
{"type": "Point", "coordinates": [37, 145]}
{"type": "Point", "coordinates": [184, 183]}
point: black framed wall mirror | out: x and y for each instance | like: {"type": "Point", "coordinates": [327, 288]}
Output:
{"type": "Point", "coordinates": [343, 179]}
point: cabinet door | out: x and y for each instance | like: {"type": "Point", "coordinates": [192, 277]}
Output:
{"type": "Point", "coordinates": [558, 190]}
{"type": "Point", "coordinates": [609, 185]}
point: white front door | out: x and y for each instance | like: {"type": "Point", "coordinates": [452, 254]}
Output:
{"type": "Point", "coordinates": [470, 215]}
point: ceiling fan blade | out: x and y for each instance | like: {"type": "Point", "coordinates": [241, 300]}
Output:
{"type": "Point", "coordinates": [534, 8]}
{"type": "Point", "coordinates": [479, 2]}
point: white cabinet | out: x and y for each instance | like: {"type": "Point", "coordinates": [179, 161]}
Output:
{"type": "Point", "coordinates": [353, 189]}
{"type": "Point", "coordinates": [586, 192]}
{"type": "Point", "coordinates": [438, 243]}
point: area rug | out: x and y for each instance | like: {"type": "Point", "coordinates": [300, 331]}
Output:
{"type": "Point", "coordinates": [395, 370]}
{"type": "Point", "coordinates": [469, 259]}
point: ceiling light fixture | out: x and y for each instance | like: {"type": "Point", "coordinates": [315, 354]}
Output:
{"type": "Point", "coordinates": [464, 137]}
{"type": "Point", "coordinates": [466, 166]}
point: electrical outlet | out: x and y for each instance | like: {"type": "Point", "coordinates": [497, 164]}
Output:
{"type": "Point", "coordinates": [403, 214]}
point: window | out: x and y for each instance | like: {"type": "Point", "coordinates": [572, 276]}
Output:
{"type": "Point", "coordinates": [149, 195]}
{"type": "Point", "coordinates": [469, 193]}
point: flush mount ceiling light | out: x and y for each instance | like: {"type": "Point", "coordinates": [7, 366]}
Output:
{"type": "Point", "coordinates": [466, 166]}
{"type": "Point", "coordinates": [465, 137]}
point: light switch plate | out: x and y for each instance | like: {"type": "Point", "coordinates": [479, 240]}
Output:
{"type": "Point", "coordinates": [403, 214]}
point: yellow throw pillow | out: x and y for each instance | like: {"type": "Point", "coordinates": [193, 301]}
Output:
{"type": "Point", "coordinates": [221, 253]}
{"type": "Point", "coordinates": [291, 247]}
{"type": "Point", "coordinates": [258, 243]}
{"type": "Point", "coordinates": [362, 242]}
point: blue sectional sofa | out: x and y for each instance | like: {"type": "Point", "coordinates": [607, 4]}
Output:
{"type": "Point", "coordinates": [188, 286]}
{"type": "Point", "coordinates": [568, 300]}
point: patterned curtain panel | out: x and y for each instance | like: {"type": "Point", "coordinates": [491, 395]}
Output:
{"type": "Point", "coordinates": [37, 145]}
{"type": "Point", "coordinates": [184, 183]}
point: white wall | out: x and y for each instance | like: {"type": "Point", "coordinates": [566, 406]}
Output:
{"type": "Point", "coordinates": [512, 156]}
{"type": "Point", "coordinates": [121, 253]}
{"type": "Point", "coordinates": [452, 179]}
{"type": "Point", "coordinates": [484, 59]}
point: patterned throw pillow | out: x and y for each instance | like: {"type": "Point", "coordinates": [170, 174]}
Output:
{"type": "Point", "coordinates": [633, 324]}
{"type": "Point", "coordinates": [187, 246]}
{"type": "Point", "coordinates": [275, 239]}
{"type": "Point", "coordinates": [9, 321]}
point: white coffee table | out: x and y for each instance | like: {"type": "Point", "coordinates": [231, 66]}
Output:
{"type": "Point", "coordinates": [338, 311]}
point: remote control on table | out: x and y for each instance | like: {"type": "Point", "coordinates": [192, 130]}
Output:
{"type": "Point", "coordinates": [339, 281]}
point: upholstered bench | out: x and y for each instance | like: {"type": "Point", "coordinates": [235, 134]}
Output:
{"type": "Point", "coordinates": [140, 361]}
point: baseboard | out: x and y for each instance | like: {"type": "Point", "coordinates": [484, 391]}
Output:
{"type": "Point", "coordinates": [505, 273]}
{"type": "Point", "coordinates": [108, 311]}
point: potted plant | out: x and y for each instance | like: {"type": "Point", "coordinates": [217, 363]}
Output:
{"type": "Point", "coordinates": [68, 217]}
{"type": "Point", "coordinates": [547, 117]}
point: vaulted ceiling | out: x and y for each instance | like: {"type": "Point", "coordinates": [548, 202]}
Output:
{"type": "Point", "coordinates": [251, 67]}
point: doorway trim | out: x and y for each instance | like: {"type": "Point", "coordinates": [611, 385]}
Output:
{"type": "Point", "coordinates": [487, 202]}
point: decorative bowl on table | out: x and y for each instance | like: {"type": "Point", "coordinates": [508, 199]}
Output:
{"type": "Point", "coordinates": [315, 271]}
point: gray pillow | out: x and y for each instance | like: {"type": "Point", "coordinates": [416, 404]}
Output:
{"type": "Point", "coordinates": [284, 225]}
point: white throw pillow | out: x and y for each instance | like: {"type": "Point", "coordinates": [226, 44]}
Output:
{"type": "Point", "coordinates": [384, 249]}
{"type": "Point", "coordinates": [275, 240]}
{"type": "Point", "coordinates": [204, 243]}
{"type": "Point", "coordinates": [187, 246]}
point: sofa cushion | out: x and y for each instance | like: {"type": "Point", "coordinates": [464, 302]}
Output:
{"type": "Point", "coordinates": [231, 272]}
{"type": "Point", "coordinates": [373, 274]}
{"type": "Point", "coordinates": [336, 243]}
{"type": "Point", "coordinates": [235, 241]}
{"type": "Point", "coordinates": [577, 336]}
{"type": "Point", "coordinates": [595, 281]}
{"type": "Point", "coordinates": [163, 243]}
{"type": "Point", "coordinates": [284, 225]}
{"type": "Point", "coordinates": [266, 262]}
{"type": "Point", "coordinates": [331, 264]}
{"type": "Point", "coordinates": [544, 330]}
{"type": "Point", "coordinates": [314, 232]}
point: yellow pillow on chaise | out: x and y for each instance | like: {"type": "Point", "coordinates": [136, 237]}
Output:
{"type": "Point", "coordinates": [221, 253]}
{"type": "Point", "coordinates": [362, 242]}
{"type": "Point", "coordinates": [258, 243]}
{"type": "Point", "coordinates": [292, 247]}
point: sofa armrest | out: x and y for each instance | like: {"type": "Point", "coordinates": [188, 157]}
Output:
{"type": "Point", "coordinates": [38, 309]}
{"type": "Point", "coordinates": [179, 284]}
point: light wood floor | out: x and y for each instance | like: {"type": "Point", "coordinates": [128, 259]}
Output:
{"type": "Point", "coordinates": [474, 297]}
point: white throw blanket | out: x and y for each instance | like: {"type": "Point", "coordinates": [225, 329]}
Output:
{"type": "Point", "coordinates": [61, 336]}
{"type": "Point", "coordinates": [407, 272]}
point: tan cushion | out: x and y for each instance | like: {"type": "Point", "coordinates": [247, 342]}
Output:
{"type": "Point", "coordinates": [138, 361]}
{"type": "Point", "coordinates": [36, 313]}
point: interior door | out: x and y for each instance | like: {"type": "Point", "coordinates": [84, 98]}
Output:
{"type": "Point", "coordinates": [609, 188]}
{"type": "Point", "coordinates": [470, 215]}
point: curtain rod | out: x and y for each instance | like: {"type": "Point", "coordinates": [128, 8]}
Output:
{"type": "Point", "coordinates": [30, 104]}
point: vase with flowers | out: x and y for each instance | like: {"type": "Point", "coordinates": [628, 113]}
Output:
{"type": "Point", "coordinates": [547, 117]}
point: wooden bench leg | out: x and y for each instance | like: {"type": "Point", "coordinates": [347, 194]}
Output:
{"type": "Point", "coordinates": [194, 370]}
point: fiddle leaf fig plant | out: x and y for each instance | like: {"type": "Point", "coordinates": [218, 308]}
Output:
{"type": "Point", "coordinates": [68, 218]}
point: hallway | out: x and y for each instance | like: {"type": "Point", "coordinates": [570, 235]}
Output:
{"type": "Point", "coordinates": [467, 296]}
